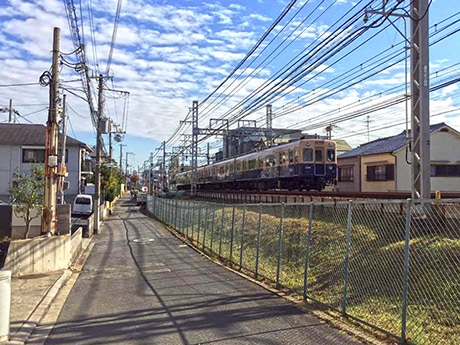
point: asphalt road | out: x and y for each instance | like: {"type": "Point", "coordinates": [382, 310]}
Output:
{"type": "Point", "coordinates": [141, 285]}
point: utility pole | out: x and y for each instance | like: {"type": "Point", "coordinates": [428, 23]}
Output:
{"type": "Point", "coordinates": [49, 219]}
{"type": "Point", "coordinates": [97, 184]}
{"type": "Point", "coordinates": [126, 161]}
{"type": "Point", "coordinates": [121, 157]}
{"type": "Point", "coordinates": [63, 168]}
{"type": "Point", "coordinates": [10, 111]}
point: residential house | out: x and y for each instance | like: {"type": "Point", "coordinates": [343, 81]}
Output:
{"type": "Point", "coordinates": [22, 145]}
{"type": "Point", "coordinates": [384, 164]}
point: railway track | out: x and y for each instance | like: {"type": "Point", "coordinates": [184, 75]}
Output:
{"type": "Point", "coordinates": [278, 196]}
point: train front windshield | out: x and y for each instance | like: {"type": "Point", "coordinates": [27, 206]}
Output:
{"type": "Point", "coordinates": [330, 155]}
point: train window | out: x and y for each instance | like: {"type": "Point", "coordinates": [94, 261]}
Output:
{"type": "Point", "coordinates": [307, 155]}
{"type": "Point", "coordinates": [231, 168]}
{"type": "Point", "coordinates": [291, 156]}
{"type": "Point", "coordinates": [221, 170]}
{"type": "Point", "coordinates": [318, 155]}
{"type": "Point", "coordinates": [238, 166]}
{"type": "Point", "coordinates": [252, 164]}
{"type": "Point", "coordinates": [213, 171]}
{"type": "Point", "coordinates": [260, 163]}
{"type": "Point", "coordinates": [245, 165]}
{"type": "Point", "coordinates": [296, 155]}
{"type": "Point", "coordinates": [271, 161]}
{"type": "Point", "coordinates": [330, 155]}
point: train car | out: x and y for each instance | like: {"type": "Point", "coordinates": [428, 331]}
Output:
{"type": "Point", "coordinates": [303, 165]}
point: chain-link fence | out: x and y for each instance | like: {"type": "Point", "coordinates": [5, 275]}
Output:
{"type": "Point", "coordinates": [394, 265]}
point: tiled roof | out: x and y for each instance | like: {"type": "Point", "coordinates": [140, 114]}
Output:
{"type": "Point", "coordinates": [384, 145]}
{"type": "Point", "coordinates": [26, 134]}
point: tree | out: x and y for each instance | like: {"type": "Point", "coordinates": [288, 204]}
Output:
{"type": "Point", "coordinates": [134, 178]}
{"type": "Point", "coordinates": [111, 180]}
{"type": "Point", "coordinates": [27, 193]}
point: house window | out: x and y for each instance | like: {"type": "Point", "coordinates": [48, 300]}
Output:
{"type": "Point", "coordinates": [38, 155]}
{"type": "Point", "coordinates": [33, 155]}
{"type": "Point", "coordinates": [346, 174]}
{"type": "Point", "coordinates": [452, 170]}
{"type": "Point", "coordinates": [380, 172]}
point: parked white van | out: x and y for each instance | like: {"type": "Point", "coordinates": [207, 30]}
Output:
{"type": "Point", "coordinates": [83, 204]}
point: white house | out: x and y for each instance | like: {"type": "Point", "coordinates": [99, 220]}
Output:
{"type": "Point", "coordinates": [22, 145]}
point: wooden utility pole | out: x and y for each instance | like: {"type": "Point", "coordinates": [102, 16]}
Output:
{"type": "Point", "coordinates": [97, 184]}
{"type": "Point", "coordinates": [49, 219]}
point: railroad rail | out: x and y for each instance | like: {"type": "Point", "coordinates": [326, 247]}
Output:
{"type": "Point", "coordinates": [278, 196]}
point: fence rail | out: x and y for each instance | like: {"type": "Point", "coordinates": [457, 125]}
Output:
{"type": "Point", "coordinates": [394, 265]}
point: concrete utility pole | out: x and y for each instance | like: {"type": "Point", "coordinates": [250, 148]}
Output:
{"type": "Point", "coordinates": [126, 161]}
{"type": "Point", "coordinates": [10, 111]}
{"type": "Point", "coordinates": [121, 157]}
{"type": "Point", "coordinates": [97, 184]}
{"type": "Point", "coordinates": [62, 166]}
{"type": "Point", "coordinates": [49, 219]}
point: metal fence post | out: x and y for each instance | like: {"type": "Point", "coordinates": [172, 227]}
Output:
{"type": "Point", "coordinates": [212, 226]}
{"type": "Point", "coordinates": [193, 221]}
{"type": "Point", "coordinates": [179, 216]}
{"type": "Point", "coordinates": [347, 261]}
{"type": "Point", "coordinates": [221, 229]}
{"type": "Point", "coordinates": [199, 227]}
{"type": "Point", "coordinates": [259, 228]}
{"type": "Point", "coordinates": [406, 272]}
{"type": "Point", "coordinates": [232, 233]}
{"type": "Point", "coordinates": [280, 246]}
{"type": "Point", "coordinates": [205, 224]}
{"type": "Point", "coordinates": [189, 218]}
{"type": "Point", "coordinates": [242, 235]}
{"type": "Point", "coordinates": [307, 251]}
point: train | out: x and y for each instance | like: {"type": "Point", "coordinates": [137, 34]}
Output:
{"type": "Point", "coordinates": [305, 164]}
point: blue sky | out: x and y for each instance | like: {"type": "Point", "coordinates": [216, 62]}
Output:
{"type": "Point", "coordinates": [169, 53]}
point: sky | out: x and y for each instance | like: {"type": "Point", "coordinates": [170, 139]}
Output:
{"type": "Point", "coordinates": [317, 62]}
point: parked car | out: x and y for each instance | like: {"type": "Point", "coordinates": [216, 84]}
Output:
{"type": "Point", "coordinates": [83, 205]}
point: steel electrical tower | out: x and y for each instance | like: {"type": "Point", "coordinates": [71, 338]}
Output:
{"type": "Point", "coordinates": [195, 132]}
{"type": "Point", "coordinates": [420, 117]}
{"type": "Point", "coordinates": [420, 97]}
